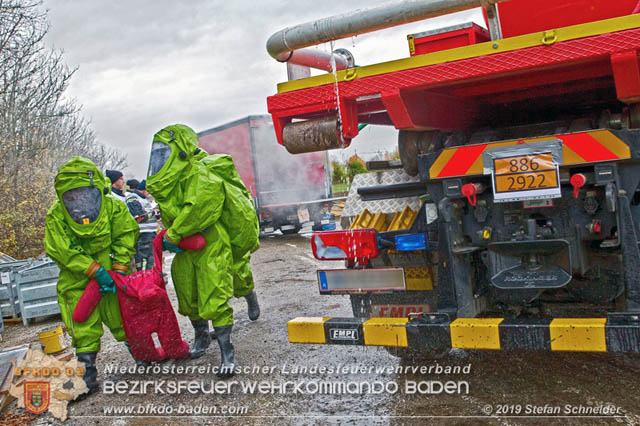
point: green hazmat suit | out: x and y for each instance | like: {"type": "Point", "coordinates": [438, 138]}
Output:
{"type": "Point", "coordinates": [199, 193]}
{"type": "Point", "coordinates": [78, 248]}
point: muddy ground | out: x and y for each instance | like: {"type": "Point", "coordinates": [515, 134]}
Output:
{"type": "Point", "coordinates": [284, 268]}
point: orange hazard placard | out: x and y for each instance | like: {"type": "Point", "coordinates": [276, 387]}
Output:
{"type": "Point", "coordinates": [525, 173]}
{"type": "Point", "coordinates": [523, 177]}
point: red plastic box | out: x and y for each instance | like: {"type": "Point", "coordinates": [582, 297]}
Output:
{"type": "Point", "coordinates": [447, 38]}
{"type": "Point", "coordinates": [519, 17]}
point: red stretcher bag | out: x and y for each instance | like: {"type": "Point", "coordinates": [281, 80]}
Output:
{"type": "Point", "coordinates": [145, 307]}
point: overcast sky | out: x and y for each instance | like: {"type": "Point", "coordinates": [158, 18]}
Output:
{"type": "Point", "coordinates": [144, 64]}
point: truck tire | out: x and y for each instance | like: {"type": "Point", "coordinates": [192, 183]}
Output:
{"type": "Point", "coordinates": [360, 306]}
{"type": "Point", "coordinates": [411, 144]}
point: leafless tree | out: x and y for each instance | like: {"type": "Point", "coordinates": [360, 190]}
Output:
{"type": "Point", "coordinates": [39, 127]}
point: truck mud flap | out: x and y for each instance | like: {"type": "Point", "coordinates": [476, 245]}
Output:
{"type": "Point", "coordinates": [618, 333]}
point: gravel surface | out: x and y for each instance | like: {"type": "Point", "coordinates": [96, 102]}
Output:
{"type": "Point", "coordinates": [509, 383]}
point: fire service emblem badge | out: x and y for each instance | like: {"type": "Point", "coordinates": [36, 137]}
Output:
{"type": "Point", "coordinates": [36, 397]}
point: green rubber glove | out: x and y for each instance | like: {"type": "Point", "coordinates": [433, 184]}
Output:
{"type": "Point", "coordinates": [105, 281]}
{"type": "Point", "coordinates": [168, 245]}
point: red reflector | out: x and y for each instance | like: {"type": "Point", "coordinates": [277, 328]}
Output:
{"type": "Point", "coordinates": [358, 244]}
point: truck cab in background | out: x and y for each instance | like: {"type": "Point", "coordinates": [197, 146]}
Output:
{"type": "Point", "coordinates": [288, 191]}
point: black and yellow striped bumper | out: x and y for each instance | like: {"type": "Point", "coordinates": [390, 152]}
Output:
{"type": "Point", "coordinates": [614, 334]}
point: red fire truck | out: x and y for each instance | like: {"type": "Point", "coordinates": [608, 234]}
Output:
{"type": "Point", "coordinates": [521, 143]}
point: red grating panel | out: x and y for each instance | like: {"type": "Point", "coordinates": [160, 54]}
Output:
{"type": "Point", "coordinates": [533, 58]}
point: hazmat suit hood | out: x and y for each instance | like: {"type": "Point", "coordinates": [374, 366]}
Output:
{"type": "Point", "coordinates": [73, 176]}
{"type": "Point", "coordinates": [174, 150]}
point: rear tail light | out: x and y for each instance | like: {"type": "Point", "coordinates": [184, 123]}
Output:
{"type": "Point", "coordinates": [357, 245]}
{"type": "Point", "coordinates": [265, 215]}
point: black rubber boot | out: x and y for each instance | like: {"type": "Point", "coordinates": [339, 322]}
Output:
{"type": "Point", "coordinates": [202, 338]}
{"type": "Point", "coordinates": [253, 307]}
{"type": "Point", "coordinates": [90, 376]}
{"type": "Point", "coordinates": [226, 351]}
{"type": "Point", "coordinates": [138, 362]}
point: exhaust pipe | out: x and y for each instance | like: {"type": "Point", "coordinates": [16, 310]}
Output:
{"type": "Point", "coordinates": [282, 43]}
{"type": "Point", "coordinates": [318, 59]}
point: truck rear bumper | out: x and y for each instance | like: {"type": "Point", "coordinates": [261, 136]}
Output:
{"type": "Point", "coordinates": [617, 333]}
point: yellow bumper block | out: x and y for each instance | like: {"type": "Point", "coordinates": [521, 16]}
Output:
{"type": "Point", "coordinates": [476, 333]}
{"type": "Point", "coordinates": [307, 330]}
{"type": "Point", "coordinates": [385, 332]}
{"type": "Point", "coordinates": [578, 334]}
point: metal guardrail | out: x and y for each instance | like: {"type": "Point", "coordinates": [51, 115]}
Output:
{"type": "Point", "coordinates": [28, 288]}
{"type": "Point", "coordinates": [40, 262]}
{"type": "Point", "coordinates": [37, 292]}
{"type": "Point", "coordinates": [9, 305]}
{"type": "Point", "coordinates": [6, 258]}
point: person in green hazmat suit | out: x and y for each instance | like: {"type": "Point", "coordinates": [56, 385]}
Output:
{"type": "Point", "coordinates": [88, 233]}
{"type": "Point", "coordinates": [200, 193]}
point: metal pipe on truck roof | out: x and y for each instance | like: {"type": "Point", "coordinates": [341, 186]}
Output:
{"type": "Point", "coordinates": [321, 60]}
{"type": "Point", "coordinates": [282, 43]}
